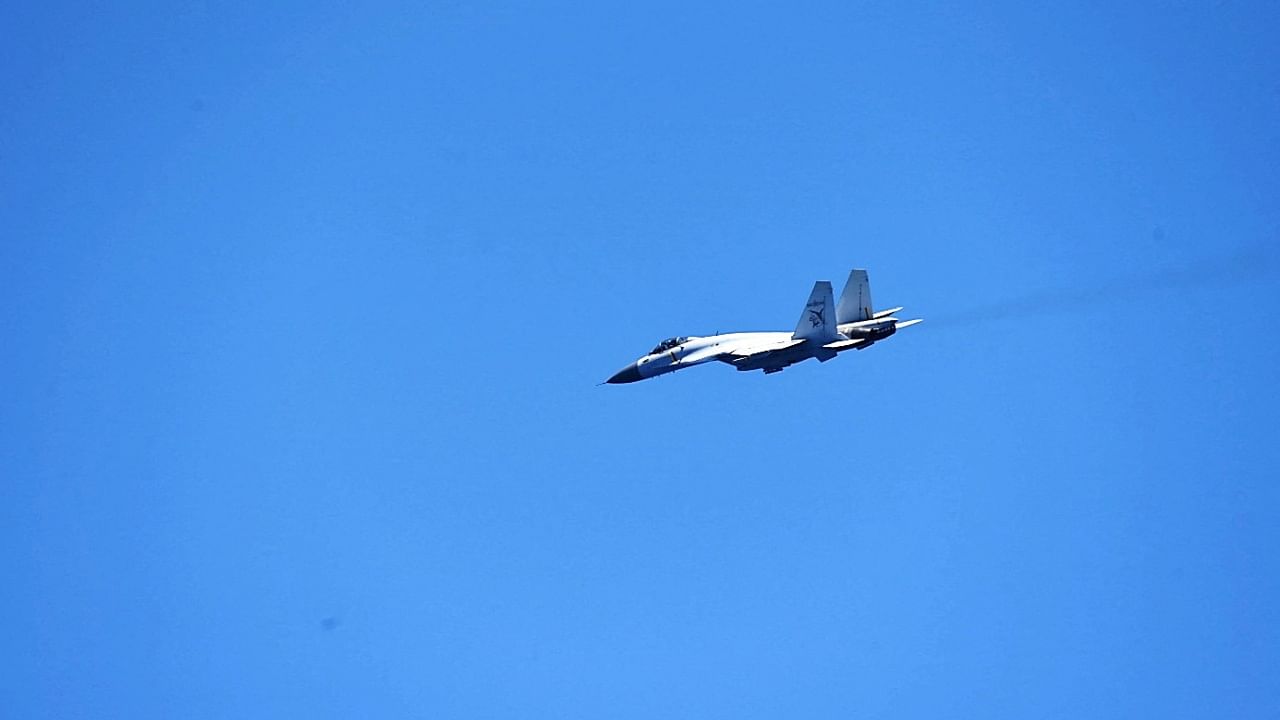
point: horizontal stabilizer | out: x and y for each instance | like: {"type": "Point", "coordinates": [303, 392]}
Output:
{"type": "Point", "coordinates": [885, 313]}
{"type": "Point", "coordinates": [843, 344]}
{"type": "Point", "coordinates": [908, 323]}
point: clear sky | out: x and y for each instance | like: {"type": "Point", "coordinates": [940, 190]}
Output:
{"type": "Point", "coordinates": [303, 309]}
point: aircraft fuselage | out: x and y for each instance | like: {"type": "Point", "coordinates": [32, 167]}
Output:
{"type": "Point", "coordinates": [823, 331]}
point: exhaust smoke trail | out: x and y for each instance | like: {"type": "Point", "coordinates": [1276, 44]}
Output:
{"type": "Point", "coordinates": [1245, 266]}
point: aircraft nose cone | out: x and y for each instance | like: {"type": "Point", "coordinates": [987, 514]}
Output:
{"type": "Point", "coordinates": [628, 374]}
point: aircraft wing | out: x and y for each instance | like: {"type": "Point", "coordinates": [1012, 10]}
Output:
{"type": "Point", "coordinates": [757, 349]}
{"type": "Point", "coordinates": [749, 350]}
{"type": "Point", "coordinates": [737, 352]}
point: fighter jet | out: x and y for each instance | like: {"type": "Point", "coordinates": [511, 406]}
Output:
{"type": "Point", "coordinates": [820, 333]}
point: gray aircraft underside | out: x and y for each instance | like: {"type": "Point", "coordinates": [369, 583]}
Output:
{"type": "Point", "coordinates": [820, 333]}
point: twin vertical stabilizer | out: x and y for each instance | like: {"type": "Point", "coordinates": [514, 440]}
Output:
{"type": "Point", "coordinates": [818, 322]}
{"type": "Point", "coordinates": [855, 301]}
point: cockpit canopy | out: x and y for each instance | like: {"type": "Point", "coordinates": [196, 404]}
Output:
{"type": "Point", "coordinates": [667, 344]}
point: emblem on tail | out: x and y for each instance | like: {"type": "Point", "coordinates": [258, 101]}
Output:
{"type": "Point", "coordinates": [817, 315]}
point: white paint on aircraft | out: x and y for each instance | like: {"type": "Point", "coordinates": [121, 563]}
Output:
{"type": "Point", "coordinates": [824, 330]}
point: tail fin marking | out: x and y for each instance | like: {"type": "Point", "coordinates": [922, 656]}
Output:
{"type": "Point", "coordinates": [817, 321]}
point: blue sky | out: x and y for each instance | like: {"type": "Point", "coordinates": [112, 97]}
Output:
{"type": "Point", "coordinates": [304, 310]}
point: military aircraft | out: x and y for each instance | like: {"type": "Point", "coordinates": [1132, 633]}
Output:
{"type": "Point", "coordinates": [820, 334]}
